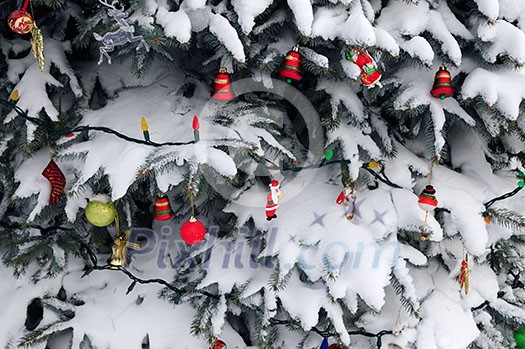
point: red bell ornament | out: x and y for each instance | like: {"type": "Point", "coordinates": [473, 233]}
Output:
{"type": "Point", "coordinates": [222, 90]}
{"type": "Point", "coordinates": [291, 69]}
{"type": "Point", "coordinates": [442, 84]}
{"type": "Point", "coordinates": [193, 231]}
{"type": "Point", "coordinates": [427, 199]}
{"type": "Point", "coordinates": [163, 210]}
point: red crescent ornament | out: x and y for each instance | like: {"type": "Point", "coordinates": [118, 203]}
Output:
{"type": "Point", "coordinates": [20, 21]}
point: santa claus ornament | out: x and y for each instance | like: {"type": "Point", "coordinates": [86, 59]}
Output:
{"type": "Point", "coordinates": [347, 198]}
{"type": "Point", "coordinates": [272, 200]}
{"type": "Point", "coordinates": [370, 76]}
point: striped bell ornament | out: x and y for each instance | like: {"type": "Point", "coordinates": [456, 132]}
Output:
{"type": "Point", "coordinates": [222, 90]}
{"type": "Point", "coordinates": [442, 84]}
{"type": "Point", "coordinates": [291, 70]}
{"type": "Point", "coordinates": [162, 211]}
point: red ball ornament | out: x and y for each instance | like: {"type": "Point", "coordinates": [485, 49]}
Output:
{"type": "Point", "coordinates": [192, 232]}
{"type": "Point", "coordinates": [20, 21]}
{"type": "Point", "coordinates": [291, 69]}
{"type": "Point", "coordinates": [218, 345]}
{"type": "Point", "coordinates": [442, 84]}
{"type": "Point", "coordinates": [427, 199]}
{"type": "Point", "coordinates": [222, 89]}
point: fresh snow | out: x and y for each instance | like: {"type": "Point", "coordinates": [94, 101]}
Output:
{"type": "Point", "coordinates": [176, 24]}
{"type": "Point", "coordinates": [304, 15]}
{"type": "Point", "coordinates": [226, 33]}
{"type": "Point", "coordinates": [248, 10]}
{"type": "Point", "coordinates": [489, 8]}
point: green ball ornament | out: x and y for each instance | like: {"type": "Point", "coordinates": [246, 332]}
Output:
{"type": "Point", "coordinates": [100, 211]}
{"type": "Point", "coordinates": [521, 184]}
{"type": "Point", "coordinates": [519, 338]}
{"type": "Point", "coordinates": [329, 155]}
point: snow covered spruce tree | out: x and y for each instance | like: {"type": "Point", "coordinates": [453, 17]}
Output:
{"type": "Point", "coordinates": [354, 181]}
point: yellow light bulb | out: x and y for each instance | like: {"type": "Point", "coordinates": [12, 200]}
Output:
{"type": "Point", "coordinates": [144, 124]}
{"type": "Point", "coordinates": [14, 96]}
{"type": "Point", "coordinates": [373, 164]}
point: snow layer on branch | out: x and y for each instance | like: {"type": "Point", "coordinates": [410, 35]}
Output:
{"type": "Point", "coordinates": [504, 39]}
{"type": "Point", "coordinates": [413, 255]}
{"type": "Point", "coordinates": [343, 93]}
{"type": "Point", "coordinates": [349, 251]}
{"type": "Point", "coordinates": [176, 24]}
{"type": "Point", "coordinates": [304, 15]}
{"type": "Point", "coordinates": [108, 317]}
{"type": "Point", "coordinates": [328, 22]}
{"type": "Point", "coordinates": [357, 30]}
{"type": "Point", "coordinates": [316, 58]}
{"type": "Point", "coordinates": [317, 299]}
{"type": "Point", "coordinates": [503, 89]}
{"type": "Point", "coordinates": [403, 18]}
{"type": "Point", "coordinates": [445, 324]}
{"type": "Point", "coordinates": [194, 4]}
{"type": "Point", "coordinates": [438, 29]}
{"type": "Point", "coordinates": [461, 195]}
{"type": "Point", "coordinates": [353, 140]}
{"type": "Point", "coordinates": [419, 47]}
{"type": "Point", "coordinates": [386, 42]}
{"type": "Point", "coordinates": [489, 8]}
{"type": "Point", "coordinates": [513, 11]}
{"type": "Point", "coordinates": [227, 35]}
{"type": "Point", "coordinates": [32, 86]}
{"type": "Point", "coordinates": [402, 273]}
{"type": "Point", "coordinates": [453, 24]}
{"type": "Point", "coordinates": [331, 23]}
{"type": "Point", "coordinates": [247, 10]}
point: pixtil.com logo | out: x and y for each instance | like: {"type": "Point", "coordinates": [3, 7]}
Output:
{"type": "Point", "coordinates": [169, 252]}
{"type": "Point", "coordinates": [245, 119]}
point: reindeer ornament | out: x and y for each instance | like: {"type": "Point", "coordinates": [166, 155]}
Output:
{"type": "Point", "coordinates": [122, 35]}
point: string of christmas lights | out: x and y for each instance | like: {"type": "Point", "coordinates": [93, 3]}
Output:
{"type": "Point", "coordinates": [58, 132]}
